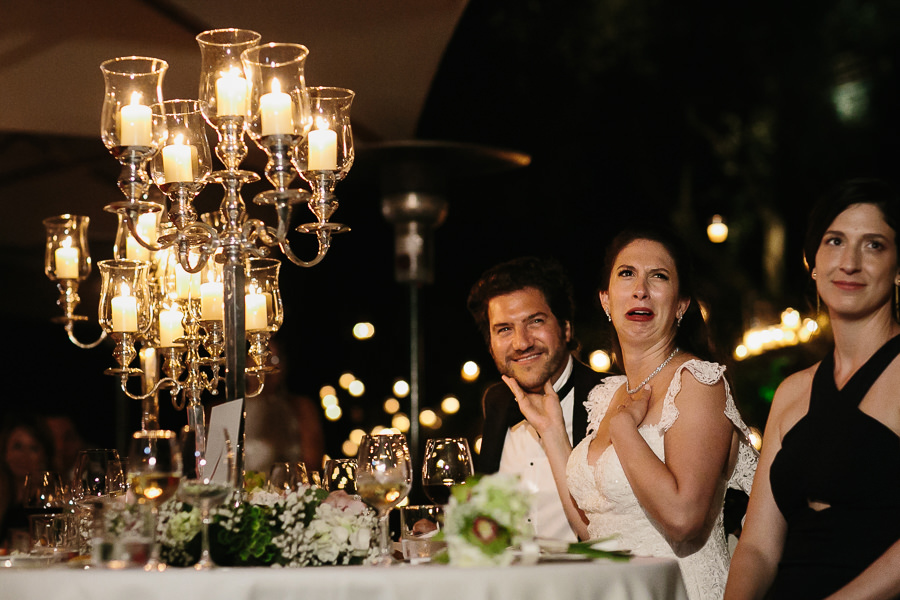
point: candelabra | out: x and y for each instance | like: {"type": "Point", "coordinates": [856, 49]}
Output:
{"type": "Point", "coordinates": [199, 291]}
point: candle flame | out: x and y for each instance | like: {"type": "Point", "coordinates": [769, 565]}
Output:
{"type": "Point", "coordinates": [178, 141]}
{"type": "Point", "coordinates": [136, 98]}
{"type": "Point", "coordinates": [321, 123]}
{"type": "Point", "coordinates": [66, 243]}
{"type": "Point", "coordinates": [125, 290]}
{"type": "Point", "coordinates": [276, 86]}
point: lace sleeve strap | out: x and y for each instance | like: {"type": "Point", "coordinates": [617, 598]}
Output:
{"type": "Point", "coordinates": [599, 399]}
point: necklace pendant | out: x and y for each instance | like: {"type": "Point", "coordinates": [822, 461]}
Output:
{"type": "Point", "coordinates": [632, 391]}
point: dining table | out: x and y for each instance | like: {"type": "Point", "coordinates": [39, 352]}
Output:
{"type": "Point", "coordinates": [639, 578]}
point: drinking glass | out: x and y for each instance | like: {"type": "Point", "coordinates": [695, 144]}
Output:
{"type": "Point", "coordinates": [282, 477]}
{"type": "Point", "coordinates": [383, 479]}
{"type": "Point", "coordinates": [212, 485]}
{"type": "Point", "coordinates": [447, 462]}
{"type": "Point", "coordinates": [340, 474]}
{"type": "Point", "coordinates": [44, 504]}
{"type": "Point", "coordinates": [98, 475]}
{"type": "Point", "coordinates": [154, 470]}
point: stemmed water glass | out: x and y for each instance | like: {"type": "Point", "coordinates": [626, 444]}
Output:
{"type": "Point", "coordinates": [154, 470]}
{"type": "Point", "coordinates": [383, 479]}
{"type": "Point", "coordinates": [213, 483]}
{"type": "Point", "coordinates": [447, 462]}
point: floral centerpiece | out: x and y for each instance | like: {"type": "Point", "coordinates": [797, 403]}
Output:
{"type": "Point", "coordinates": [305, 527]}
{"type": "Point", "coordinates": [485, 519]}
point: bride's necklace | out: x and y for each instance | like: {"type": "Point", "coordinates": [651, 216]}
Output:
{"type": "Point", "coordinates": [651, 375]}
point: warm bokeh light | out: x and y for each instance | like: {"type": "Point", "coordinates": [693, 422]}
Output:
{"type": "Point", "coordinates": [401, 422]}
{"type": "Point", "coordinates": [470, 371]}
{"type": "Point", "coordinates": [717, 230]}
{"type": "Point", "coordinates": [333, 413]}
{"type": "Point", "coordinates": [356, 436]}
{"type": "Point", "coordinates": [349, 448]}
{"type": "Point", "coordinates": [741, 352]}
{"type": "Point", "coordinates": [790, 331]}
{"type": "Point", "coordinates": [756, 438]}
{"type": "Point", "coordinates": [599, 361]}
{"type": "Point", "coordinates": [327, 390]}
{"type": "Point", "coordinates": [363, 331]}
{"type": "Point", "coordinates": [356, 388]}
{"type": "Point", "coordinates": [450, 405]}
{"type": "Point", "coordinates": [401, 388]}
{"type": "Point", "coordinates": [476, 447]}
{"type": "Point", "coordinates": [428, 417]}
{"type": "Point", "coordinates": [391, 405]}
{"type": "Point", "coordinates": [346, 379]}
{"type": "Point", "coordinates": [381, 429]}
{"type": "Point", "coordinates": [329, 400]}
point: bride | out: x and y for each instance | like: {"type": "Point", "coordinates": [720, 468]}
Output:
{"type": "Point", "coordinates": [665, 439]}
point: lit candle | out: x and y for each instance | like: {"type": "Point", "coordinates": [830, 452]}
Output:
{"type": "Point", "coordinates": [66, 260]}
{"type": "Point", "coordinates": [178, 161]}
{"type": "Point", "coordinates": [231, 95]}
{"type": "Point", "coordinates": [275, 111]}
{"type": "Point", "coordinates": [322, 150]}
{"type": "Point", "coordinates": [170, 328]}
{"type": "Point", "coordinates": [135, 123]}
{"type": "Point", "coordinates": [187, 285]}
{"type": "Point", "coordinates": [255, 312]}
{"type": "Point", "coordinates": [146, 229]}
{"type": "Point", "coordinates": [212, 304]}
{"type": "Point", "coordinates": [124, 311]}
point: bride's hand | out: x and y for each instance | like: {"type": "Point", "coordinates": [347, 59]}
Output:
{"type": "Point", "coordinates": [542, 409]}
{"type": "Point", "coordinates": [635, 406]}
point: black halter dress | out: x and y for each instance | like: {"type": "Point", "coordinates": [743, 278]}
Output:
{"type": "Point", "coordinates": [842, 458]}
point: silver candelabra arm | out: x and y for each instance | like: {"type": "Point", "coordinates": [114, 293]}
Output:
{"type": "Point", "coordinates": [70, 331]}
{"type": "Point", "coordinates": [173, 385]}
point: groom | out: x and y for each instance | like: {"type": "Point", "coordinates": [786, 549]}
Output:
{"type": "Point", "coordinates": [524, 310]}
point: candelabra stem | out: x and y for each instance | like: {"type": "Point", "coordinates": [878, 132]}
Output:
{"type": "Point", "coordinates": [133, 180]}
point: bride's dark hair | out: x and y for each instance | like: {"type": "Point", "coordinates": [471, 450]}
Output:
{"type": "Point", "coordinates": [693, 334]}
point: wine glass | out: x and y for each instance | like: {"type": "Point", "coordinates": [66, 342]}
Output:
{"type": "Point", "coordinates": [98, 475]}
{"type": "Point", "coordinates": [383, 479]}
{"type": "Point", "coordinates": [340, 474]}
{"type": "Point", "coordinates": [213, 483]}
{"type": "Point", "coordinates": [447, 462]}
{"type": "Point", "coordinates": [154, 469]}
{"type": "Point", "coordinates": [44, 503]}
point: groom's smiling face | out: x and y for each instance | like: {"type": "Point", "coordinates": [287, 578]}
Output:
{"type": "Point", "coordinates": [527, 342]}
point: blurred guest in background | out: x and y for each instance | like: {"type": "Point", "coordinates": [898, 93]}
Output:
{"type": "Point", "coordinates": [824, 515]}
{"type": "Point", "coordinates": [524, 310]}
{"type": "Point", "coordinates": [282, 426]}
{"type": "Point", "coordinates": [26, 445]}
{"type": "Point", "coordinates": [68, 442]}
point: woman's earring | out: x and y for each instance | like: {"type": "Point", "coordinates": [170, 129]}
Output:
{"type": "Point", "coordinates": [609, 316]}
{"type": "Point", "coordinates": [813, 274]}
{"type": "Point", "coordinates": [678, 324]}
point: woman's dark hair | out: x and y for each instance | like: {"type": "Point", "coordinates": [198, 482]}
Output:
{"type": "Point", "coordinates": [847, 193]}
{"type": "Point", "coordinates": [36, 428]}
{"type": "Point", "coordinates": [545, 275]}
{"type": "Point", "coordinates": [693, 334]}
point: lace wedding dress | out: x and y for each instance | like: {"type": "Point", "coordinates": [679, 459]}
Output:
{"type": "Point", "coordinates": [604, 494]}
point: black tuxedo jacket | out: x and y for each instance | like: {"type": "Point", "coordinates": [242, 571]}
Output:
{"type": "Point", "coordinates": [502, 412]}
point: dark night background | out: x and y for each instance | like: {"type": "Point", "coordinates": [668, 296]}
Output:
{"type": "Point", "coordinates": [628, 110]}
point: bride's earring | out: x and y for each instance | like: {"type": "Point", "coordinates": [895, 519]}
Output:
{"type": "Point", "coordinates": [678, 323]}
{"type": "Point", "coordinates": [609, 316]}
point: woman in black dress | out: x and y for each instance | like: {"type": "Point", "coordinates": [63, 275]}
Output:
{"type": "Point", "coordinates": [824, 515]}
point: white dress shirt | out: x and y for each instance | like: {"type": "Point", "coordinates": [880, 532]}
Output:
{"type": "Point", "coordinates": [524, 456]}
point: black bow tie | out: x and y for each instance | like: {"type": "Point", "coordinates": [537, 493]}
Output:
{"type": "Point", "coordinates": [515, 416]}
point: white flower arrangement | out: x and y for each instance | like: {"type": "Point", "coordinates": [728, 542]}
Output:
{"type": "Point", "coordinates": [485, 519]}
{"type": "Point", "coordinates": [305, 527]}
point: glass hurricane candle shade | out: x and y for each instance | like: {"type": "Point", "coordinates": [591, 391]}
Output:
{"type": "Point", "coordinates": [129, 119]}
{"type": "Point", "coordinates": [66, 253]}
{"type": "Point", "coordinates": [124, 296]}
{"type": "Point", "coordinates": [224, 90]}
{"type": "Point", "coordinates": [263, 310]}
{"type": "Point", "coordinates": [184, 162]}
{"type": "Point", "coordinates": [328, 146]}
{"type": "Point", "coordinates": [147, 227]}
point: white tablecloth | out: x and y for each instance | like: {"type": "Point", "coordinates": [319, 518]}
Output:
{"type": "Point", "coordinates": [639, 579]}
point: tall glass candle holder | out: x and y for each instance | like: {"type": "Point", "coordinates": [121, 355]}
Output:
{"type": "Point", "coordinates": [264, 312]}
{"type": "Point", "coordinates": [326, 154]}
{"type": "Point", "coordinates": [67, 261]}
{"type": "Point", "coordinates": [279, 109]}
{"type": "Point", "coordinates": [131, 121]}
{"type": "Point", "coordinates": [224, 90]}
{"type": "Point", "coordinates": [184, 163]}
{"type": "Point", "coordinates": [124, 310]}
